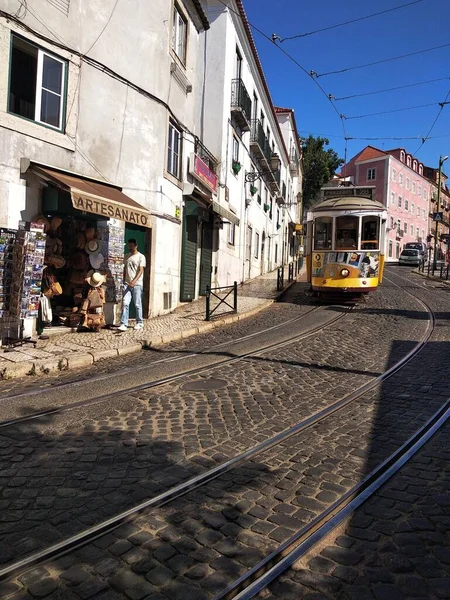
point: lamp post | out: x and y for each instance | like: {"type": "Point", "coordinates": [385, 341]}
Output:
{"type": "Point", "coordinates": [442, 159]}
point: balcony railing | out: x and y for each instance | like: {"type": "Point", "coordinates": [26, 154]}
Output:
{"type": "Point", "coordinates": [241, 105]}
{"type": "Point", "coordinates": [259, 140]}
{"type": "Point", "coordinates": [202, 151]}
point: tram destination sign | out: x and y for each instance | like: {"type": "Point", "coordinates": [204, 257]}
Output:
{"type": "Point", "coordinates": [341, 191]}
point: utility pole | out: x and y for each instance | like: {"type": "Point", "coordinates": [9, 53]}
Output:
{"type": "Point", "coordinates": [442, 159]}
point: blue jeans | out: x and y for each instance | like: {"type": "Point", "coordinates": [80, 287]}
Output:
{"type": "Point", "coordinates": [135, 294]}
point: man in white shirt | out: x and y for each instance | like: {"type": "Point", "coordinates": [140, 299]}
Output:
{"type": "Point", "coordinates": [133, 276]}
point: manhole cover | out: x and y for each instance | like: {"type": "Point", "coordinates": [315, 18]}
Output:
{"type": "Point", "coordinates": [203, 385]}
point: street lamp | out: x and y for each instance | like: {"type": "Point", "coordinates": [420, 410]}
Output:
{"type": "Point", "coordinates": [442, 159]}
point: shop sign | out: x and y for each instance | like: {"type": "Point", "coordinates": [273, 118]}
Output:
{"type": "Point", "coordinates": [298, 227]}
{"type": "Point", "coordinates": [335, 192]}
{"type": "Point", "coordinates": [109, 209]}
{"type": "Point", "coordinates": [177, 212]}
{"type": "Point", "coordinates": [200, 170]}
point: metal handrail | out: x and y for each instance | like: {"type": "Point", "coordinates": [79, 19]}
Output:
{"type": "Point", "coordinates": [212, 292]}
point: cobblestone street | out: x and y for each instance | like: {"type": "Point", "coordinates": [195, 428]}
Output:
{"type": "Point", "coordinates": [115, 454]}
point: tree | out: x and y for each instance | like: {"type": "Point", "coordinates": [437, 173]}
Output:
{"type": "Point", "coordinates": [319, 166]}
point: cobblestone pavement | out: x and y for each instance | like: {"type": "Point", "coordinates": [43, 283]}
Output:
{"type": "Point", "coordinates": [194, 546]}
{"type": "Point", "coordinates": [252, 295]}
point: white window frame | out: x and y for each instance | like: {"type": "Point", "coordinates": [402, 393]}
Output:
{"type": "Point", "coordinates": [424, 214]}
{"type": "Point", "coordinates": [408, 183]}
{"type": "Point", "coordinates": [40, 88]}
{"type": "Point", "coordinates": [392, 222]}
{"type": "Point", "coordinates": [418, 211]}
{"type": "Point", "coordinates": [400, 179]}
{"type": "Point", "coordinates": [425, 194]}
{"type": "Point", "coordinates": [231, 234]}
{"type": "Point", "coordinates": [399, 202]}
{"type": "Point", "coordinates": [179, 34]}
{"type": "Point", "coordinates": [257, 236]}
{"type": "Point", "coordinates": [41, 54]}
{"type": "Point", "coordinates": [411, 230]}
{"type": "Point", "coordinates": [393, 198]}
{"type": "Point", "coordinates": [390, 249]}
{"type": "Point", "coordinates": [394, 174]}
{"type": "Point", "coordinates": [417, 232]}
{"type": "Point", "coordinates": [405, 227]}
{"type": "Point", "coordinates": [413, 187]}
{"type": "Point", "coordinates": [170, 151]}
{"type": "Point", "coordinates": [423, 234]}
{"type": "Point", "coordinates": [371, 174]}
{"type": "Point", "coordinates": [413, 208]}
{"type": "Point", "coordinates": [235, 149]}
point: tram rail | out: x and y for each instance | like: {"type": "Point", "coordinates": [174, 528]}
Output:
{"type": "Point", "coordinates": [179, 376]}
{"type": "Point", "coordinates": [170, 495]}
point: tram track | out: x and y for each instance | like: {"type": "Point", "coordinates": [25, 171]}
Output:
{"type": "Point", "coordinates": [185, 373]}
{"type": "Point", "coordinates": [177, 491]}
{"type": "Point", "coordinates": [266, 571]}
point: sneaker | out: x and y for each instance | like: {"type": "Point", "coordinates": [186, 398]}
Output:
{"type": "Point", "coordinates": [138, 326]}
{"type": "Point", "coordinates": [123, 328]}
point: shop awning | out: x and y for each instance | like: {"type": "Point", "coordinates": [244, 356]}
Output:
{"type": "Point", "coordinates": [95, 197]}
{"type": "Point", "coordinates": [224, 212]}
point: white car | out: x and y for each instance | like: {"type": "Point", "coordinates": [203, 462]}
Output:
{"type": "Point", "coordinates": [411, 256]}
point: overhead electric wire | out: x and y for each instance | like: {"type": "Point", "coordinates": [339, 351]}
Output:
{"type": "Point", "coordinates": [395, 110]}
{"type": "Point", "coordinates": [302, 35]}
{"type": "Point", "coordinates": [399, 87]}
{"type": "Point", "coordinates": [379, 62]}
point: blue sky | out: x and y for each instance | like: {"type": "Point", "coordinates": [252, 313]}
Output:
{"type": "Point", "coordinates": [414, 28]}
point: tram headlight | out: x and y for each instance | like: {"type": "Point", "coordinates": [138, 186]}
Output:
{"type": "Point", "coordinates": [345, 272]}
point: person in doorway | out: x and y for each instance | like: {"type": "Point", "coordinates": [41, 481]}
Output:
{"type": "Point", "coordinates": [346, 241]}
{"type": "Point", "coordinates": [133, 275]}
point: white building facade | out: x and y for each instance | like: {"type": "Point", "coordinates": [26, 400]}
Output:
{"type": "Point", "coordinates": [97, 127]}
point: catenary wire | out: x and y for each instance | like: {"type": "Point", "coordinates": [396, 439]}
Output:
{"type": "Point", "coordinates": [379, 62]}
{"type": "Point", "coordinates": [394, 110]}
{"type": "Point", "coordinates": [399, 87]}
{"type": "Point", "coordinates": [383, 12]}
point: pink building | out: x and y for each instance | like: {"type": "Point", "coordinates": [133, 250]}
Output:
{"type": "Point", "coordinates": [401, 186]}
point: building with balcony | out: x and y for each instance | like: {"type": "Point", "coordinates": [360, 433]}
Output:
{"type": "Point", "coordinates": [100, 139]}
{"type": "Point", "coordinates": [401, 185]}
{"type": "Point", "coordinates": [258, 186]}
{"type": "Point", "coordinates": [442, 227]}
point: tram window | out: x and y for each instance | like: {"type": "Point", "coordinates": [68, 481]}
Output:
{"type": "Point", "coordinates": [323, 233]}
{"type": "Point", "coordinates": [346, 232]}
{"type": "Point", "coordinates": [369, 233]}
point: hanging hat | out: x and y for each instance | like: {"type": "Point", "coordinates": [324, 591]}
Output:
{"type": "Point", "coordinates": [55, 260]}
{"type": "Point", "coordinates": [95, 279]}
{"type": "Point", "coordinates": [44, 220]}
{"type": "Point", "coordinates": [89, 233]}
{"type": "Point", "coordinates": [96, 260]}
{"type": "Point", "coordinates": [92, 247]}
{"type": "Point", "coordinates": [55, 223]}
{"type": "Point", "coordinates": [81, 241]}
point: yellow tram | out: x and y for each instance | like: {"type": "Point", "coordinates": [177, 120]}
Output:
{"type": "Point", "coordinates": [345, 241]}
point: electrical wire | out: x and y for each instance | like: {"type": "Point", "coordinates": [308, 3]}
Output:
{"type": "Point", "coordinates": [399, 87]}
{"type": "Point", "coordinates": [395, 110]}
{"type": "Point", "coordinates": [302, 35]}
{"type": "Point", "coordinates": [379, 62]}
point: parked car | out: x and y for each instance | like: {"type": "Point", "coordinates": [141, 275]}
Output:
{"type": "Point", "coordinates": [411, 256]}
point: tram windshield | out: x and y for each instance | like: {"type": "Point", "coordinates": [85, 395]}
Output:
{"type": "Point", "coordinates": [323, 233]}
{"type": "Point", "coordinates": [346, 232]}
{"type": "Point", "coordinates": [370, 233]}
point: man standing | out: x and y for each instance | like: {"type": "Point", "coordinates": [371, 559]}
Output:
{"type": "Point", "coordinates": [133, 275]}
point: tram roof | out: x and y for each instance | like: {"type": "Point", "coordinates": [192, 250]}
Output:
{"type": "Point", "coordinates": [349, 203]}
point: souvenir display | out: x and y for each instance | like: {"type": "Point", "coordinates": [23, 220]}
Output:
{"type": "Point", "coordinates": [28, 265]}
{"type": "Point", "coordinates": [7, 244]}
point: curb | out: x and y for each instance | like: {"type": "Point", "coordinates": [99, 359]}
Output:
{"type": "Point", "coordinates": [432, 277]}
{"type": "Point", "coordinates": [75, 361]}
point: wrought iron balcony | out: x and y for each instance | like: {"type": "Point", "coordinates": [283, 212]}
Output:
{"type": "Point", "coordinates": [294, 162]}
{"type": "Point", "coordinates": [241, 105]}
{"type": "Point", "coordinates": [259, 142]}
{"type": "Point", "coordinates": [209, 159]}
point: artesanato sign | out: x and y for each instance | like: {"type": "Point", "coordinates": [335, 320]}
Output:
{"type": "Point", "coordinates": [112, 210]}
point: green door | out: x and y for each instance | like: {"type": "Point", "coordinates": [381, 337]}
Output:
{"type": "Point", "coordinates": [206, 257]}
{"type": "Point", "coordinates": [139, 236]}
{"type": "Point", "coordinates": [188, 258]}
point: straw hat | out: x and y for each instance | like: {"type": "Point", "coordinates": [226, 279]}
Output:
{"type": "Point", "coordinates": [95, 279]}
{"type": "Point", "coordinates": [96, 260]}
{"type": "Point", "coordinates": [92, 247]}
{"type": "Point", "coordinates": [81, 241]}
{"type": "Point", "coordinates": [89, 233]}
{"type": "Point", "coordinates": [44, 220]}
{"type": "Point", "coordinates": [55, 260]}
{"type": "Point", "coordinates": [55, 223]}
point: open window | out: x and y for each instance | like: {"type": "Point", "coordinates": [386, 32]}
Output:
{"type": "Point", "coordinates": [346, 232]}
{"type": "Point", "coordinates": [37, 84]}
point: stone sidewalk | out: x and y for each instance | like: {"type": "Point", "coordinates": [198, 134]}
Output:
{"type": "Point", "coordinates": [66, 348]}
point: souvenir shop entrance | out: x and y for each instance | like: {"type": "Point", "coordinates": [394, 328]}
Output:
{"type": "Point", "coordinates": [83, 229]}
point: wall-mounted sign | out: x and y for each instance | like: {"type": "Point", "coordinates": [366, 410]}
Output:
{"type": "Point", "coordinates": [107, 208]}
{"type": "Point", "coordinates": [335, 192]}
{"type": "Point", "coordinates": [200, 170]}
{"type": "Point", "coordinates": [177, 212]}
